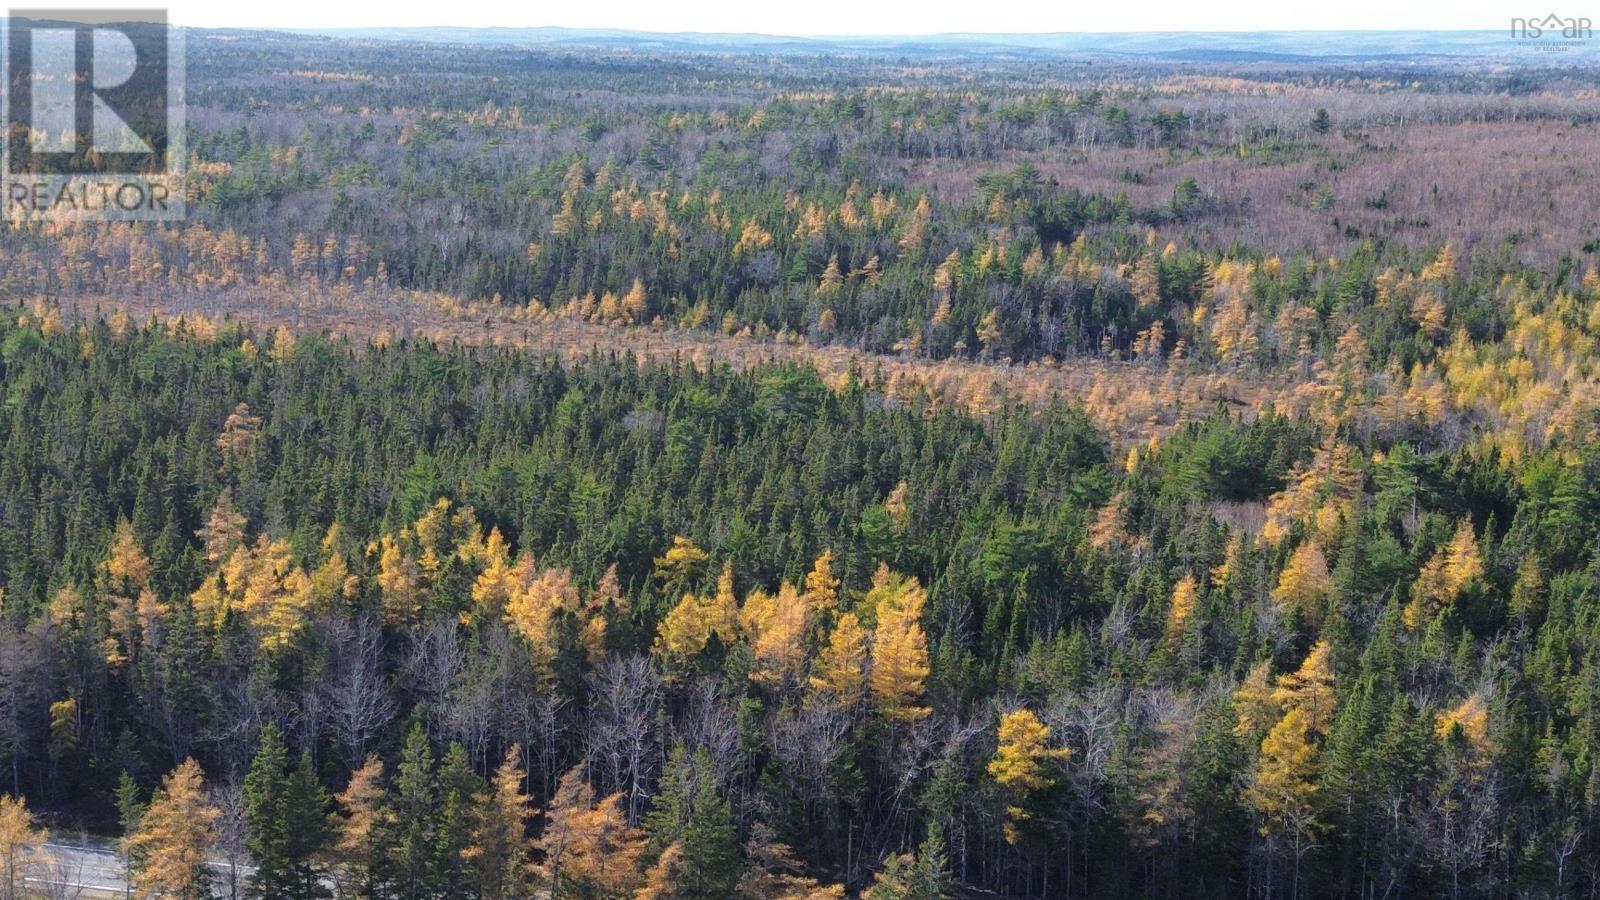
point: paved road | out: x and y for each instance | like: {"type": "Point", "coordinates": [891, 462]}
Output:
{"type": "Point", "coordinates": [90, 870]}
{"type": "Point", "coordinates": [73, 869]}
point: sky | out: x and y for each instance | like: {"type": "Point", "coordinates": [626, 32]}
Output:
{"type": "Point", "coordinates": [897, 17]}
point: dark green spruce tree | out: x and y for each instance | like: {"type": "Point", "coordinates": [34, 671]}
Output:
{"type": "Point", "coordinates": [286, 821]}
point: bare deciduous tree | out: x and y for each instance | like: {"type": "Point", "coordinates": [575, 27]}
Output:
{"type": "Point", "coordinates": [360, 702]}
{"type": "Point", "coordinates": [622, 749]}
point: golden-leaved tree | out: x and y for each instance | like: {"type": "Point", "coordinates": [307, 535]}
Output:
{"type": "Point", "coordinates": [125, 582]}
{"type": "Point", "coordinates": [260, 583]}
{"type": "Point", "coordinates": [687, 628]}
{"type": "Point", "coordinates": [839, 674]}
{"type": "Point", "coordinates": [1472, 717]}
{"type": "Point", "coordinates": [1181, 609]}
{"type": "Point", "coordinates": [498, 851]}
{"type": "Point", "coordinates": [533, 612]}
{"type": "Point", "coordinates": [1022, 766]}
{"type": "Point", "coordinates": [588, 847]}
{"type": "Point", "coordinates": [676, 569]}
{"type": "Point", "coordinates": [1284, 788]}
{"type": "Point", "coordinates": [1310, 688]}
{"type": "Point", "coordinates": [1457, 566]}
{"type": "Point", "coordinates": [20, 839]}
{"type": "Point", "coordinates": [778, 628]}
{"type": "Point", "coordinates": [899, 646]}
{"type": "Point", "coordinates": [173, 839]}
{"type": "Point", "coordinates": [1305, 583]}
{"type": "Point", "coordinates": [363, 825]}
{"type": "Point", "coordinates": [1253, 702]}
{"type": "Point", "coordinates": [822, 588]}
{"type": "Point", "coordinates": [500, 579]}
{"type": "Point", "coordinates": [410, 560]}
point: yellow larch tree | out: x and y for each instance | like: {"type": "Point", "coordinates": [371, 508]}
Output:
{"type": "Point", "coordinates": [565, 219]}
{"type": "Point", "coordinates": [295, 604]}
{"type": "Point", "coordinates": [499, 828]}
{"type": "Point", "coordinates": [333, 578]}
{"type": "Point", "coordinates": [778, 627]}
{"type": "Point", "coordinates": [532, 612]}
{"type": "Point", "coordinates": [753, 237]}
{"type": "Point", "coordinates": [832, 279]}
{"type": "Point", "coordinates": [1427, 310]}
{"type": "Point", "coordinates": [443, 531]}
{"type": "Point", "coordinates": [899, 646]}
{"type": "Point", "coordinates": [125, 580]}
{"type": "Point", "coordinates": [635, 303]}
{"type": "Point", "coordinates": [989, 330]}
{"type": "Point", "coordinates": [1284, 787]}
{"type": "Point", "coordinates": [173, 840]}
{"type": "Point", "coordinates": [588, 848]}
{"type": "Point", "coordinates": [822, 588]}
{"type": "Point", "coordinates": [1443, 265]}
{"type": "Point", "coordinates": [1253, 702]}
{"type": "Point", "coordinates": [1144, 282]}
{"type": "Point", "coordinates": [1233, 330]}
{"type": "Point", "coordinates": [944, 276]}
{"type": "Point", "coordinates": [501, 578]}
{"type": "Point", "coordinates": [1455, 567]}
{"type": "Point", "coordinates": [261, 583]}
{"type": "Point", "coordinates": [1108, 532]}
{"type": "Point", "coordinates": [757, 612]}
{"type": "Point", "coordinates": [680, 565]}
{"type": "Point", "coordinates": [239, 434]}
{"type": "Point", "coordinates": [839, 674]}
{"type": "Point", "coordinates": [665, 879]}
{"type": "Point", "coordinates": [608, 592]}
{"type": "Point", "coordinates": [592, 637]}
{"type": "Point", "coordinates": [683, 631]}
{"type": "Point", "coordinates": [1222, 573]}
{"type": "Point", "coordinates": [224, 528]}
{"type": "Point", "coordinates": [63, 727]}
{"type": "Point", "coordinates": [20, 840]}
{"type": "Point", "coordinates": [721, 610]}
{"type": "Point", "coordinates": [688, 627]}
{"type": "Point", "coordinates": [914, 232]}
{"type": "Point", "coordinates": [896, 505]}
{"type": "Point", "coordinates": [1331, 480]}
{"type": "Point", "coordinates": [1310, 688]}
{"type": "Point", "coordinates": [1181, 608]}
{"type": "Point", "coordinates": [127, 568]}
{"type": "Point", "coordinates": [1472, 716]}
{"type": "Point", "coordinates": [400, 584]}
{"type": "Point", "coordinates": [361, 825]}
{"type": "Point", "coordinates": [1021, 765]}
{"type": "Point", "coordinates": [605, 603]}
{"type": "Point", "coordinates": [1305, 582]}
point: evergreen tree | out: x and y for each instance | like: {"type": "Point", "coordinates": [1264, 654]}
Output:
{"type": "Point", "coordinates": [269, 828]}
{"type": "Point", "coordinates": [307, 808]}
{"type": "Point", "coordinates": [414, 848]}
{"type": "Point", "coordinates": [692, 814]}
{"type": "Point", "coordinates": [461, 796]}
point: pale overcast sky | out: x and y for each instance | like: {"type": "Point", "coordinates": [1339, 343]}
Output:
{"type": "Point", "coordinates": [834, 17]}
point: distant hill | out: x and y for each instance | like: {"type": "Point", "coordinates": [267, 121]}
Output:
{"type": "Point", "coordinates": [1197, 46]}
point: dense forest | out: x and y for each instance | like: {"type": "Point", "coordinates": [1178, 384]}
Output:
{"type": "Point", "coordinates": [533, 473]}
